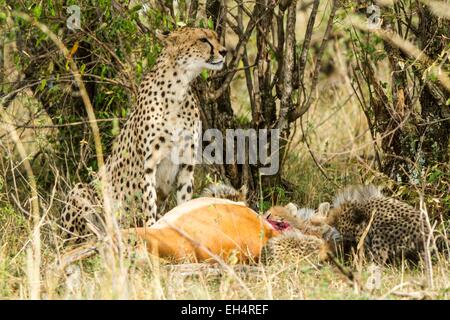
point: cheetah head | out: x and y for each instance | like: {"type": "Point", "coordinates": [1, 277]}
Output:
{"type": "Point", "coordinates": [289, 215]}
{"type": "Point", "coordinates": [351, 222]}
{"type": "Point", "coordinates": [278, 217]}
{"type": "Point", "coordinates": [194, 49]}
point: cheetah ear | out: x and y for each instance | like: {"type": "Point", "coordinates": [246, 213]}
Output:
{"type": "Point", "coordinates": [166, 37]}
{"type": "Point", "coordinates": [291, 208]}
{"type": "Point", "coordinates": [324, 208]}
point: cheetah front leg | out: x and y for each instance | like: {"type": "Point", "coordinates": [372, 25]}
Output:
{"type": "Point", "coordinates": [185, 177]}
{"type": "Point", "coordinates": [185, 182]}
{"type": "Point", "coordinates": [149, 195]}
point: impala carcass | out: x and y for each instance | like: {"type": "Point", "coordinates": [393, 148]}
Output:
{"type": "Point", "coordinates": [212, 229]}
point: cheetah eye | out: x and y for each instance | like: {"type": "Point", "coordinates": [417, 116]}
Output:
{"type": "Point", "coordinates": [203, 40]}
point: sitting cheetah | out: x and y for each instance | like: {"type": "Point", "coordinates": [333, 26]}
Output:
{"type": "Point", "coordinates": [224, 191]}
{"type": "Point", "coordinates": [156, 148]}
{"type": "Point", "coordinates": [388, 228]}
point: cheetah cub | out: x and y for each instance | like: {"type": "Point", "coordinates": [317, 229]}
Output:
{"type": "Point", "coordinates": [224, 191]}
{"type": "Point", "coordinates": [388, 229]}
{"type": "Point", "coordinates": [156, 149]}
{"type": "Point", "coordinates": [301, 237]}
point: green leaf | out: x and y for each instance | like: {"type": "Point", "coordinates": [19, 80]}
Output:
{"type": "Point", "coordinates": [51, 7]}
{"type": "Point", "coordinates": [210, 24]}
{"type": "Point", "coordinates": [136, 8]}
{"type": "Point", "coordinates": [204, 74]}
{"type": "Point", "coordinates": [103, 72]}
{"type": "Point", "coordinates": [432, 76]}
{"type": "Point", "coordinates": [43, 84]}
{"type": "Point", "coordinates": [434, 176]}
{"type": "Point", "coordinates": [115, 127]}
{"type": "Point", "coordinates": [139, 68]}
{"type": "Point", "coordinates": [37, 11]}
{"type": "Point", "coordinates": [124, 112]}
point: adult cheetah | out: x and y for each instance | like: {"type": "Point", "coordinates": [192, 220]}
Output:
{"type": "Point", "coordinates": [156, 148]}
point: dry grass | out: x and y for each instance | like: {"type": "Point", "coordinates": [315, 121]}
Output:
{"type": "Point", "coordinates": [145, 278]}
{"type": "Point", "coordinates": [142, 278]}
{"type": "Point", "coordinates": [331, 127]}
{"type": "Point", "coordinates": [138, 276]}
{"type": "Point", "coordinates": [340, 144]}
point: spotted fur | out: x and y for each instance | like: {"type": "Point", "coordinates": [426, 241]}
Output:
{"type": "Point", "coordinates": [164, 124]}
{"type": "Point", "coordinates": [304, 238]}
{"type": "Point", "coordinates": [293, 246]}
{"type": "Point", "coordinates": [394, 228]}
{"type": "Point", "coordinates": [224, 191]}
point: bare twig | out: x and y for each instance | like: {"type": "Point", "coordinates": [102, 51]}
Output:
{"type": "Point", "coordinates": [306, 104]}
